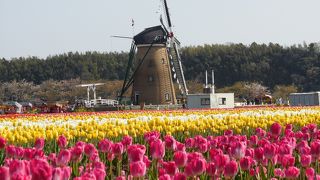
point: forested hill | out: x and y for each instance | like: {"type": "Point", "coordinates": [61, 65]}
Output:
{"type": "Point", "coordinates": [270, 64]}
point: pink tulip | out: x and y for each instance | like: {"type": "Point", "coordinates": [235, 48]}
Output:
{"type": "Point", "coordinates": [88, 176]}
{"type": "Point", "coordinates": [228, 132]}
{"type": "Point", "coordinates": [245, 163]}
{"type": "Point", "coordinates": [3, 143]}
{"type": "Point", "coordinates": [117, 149]}
{"type": "Point", "coordinates": [126, 141]}
{"type": "Point", "coordinates": [19, 152]}
{"type": "Point", "coordinates": [170, 142]}
{"type": "Point", "coordinates": [62, 142]}
{"type": "Point", "coordinates": [165, 177]}
{"type": "Point", "coordinates": [157, 149]}
{"type": "Point", "coordinates": [137, 169]}
{"type": "Point", "coordinates": [238, 150]}
{"type": "Point", "coordinates": [180, 158]}
{"type": "Point", "coordinates": [310, 173]}
{"type": "Point", "coordinates": [39, 144]}
{"type": "Point", "coordinates": [151, 136]}
{"type": "Point", "coordinates": [110, 157]}
{"type": "Point", "coordinates": [259, 154]}
{"type": "Point", "coordinates": [10, 151]}
{"type": "Point", "coordinates": [260, 132]}
{"type": "Point", "coordinates": [211, 169]}
{"type": "Point", "coordinates": [198, 166]}
{"type": "Point", "coordinates": [76, 154]}
{"type": "Point", "coordinates": [270, 150]}
{"type": "Point", "coordinates": [305, 160]}
{"type": "Point", "coordinates": [136, 152]}
{"type": "Point", "coordinates": [189, 143]}
{"type": "Point", "coordinates": [90, 149]}
{"type": "Point", "coordinates": [214, 152]}
{"type": "Point", "coordinates": [180, 146]}
{"type": "Point", "coordinates": [220, 161]}
{"type": "Point", "coordinates": [29, 153]}
{"type": "Point", "coordinates": [64, 157]}
{"type": "Point", "coordinates": [57, 174]}
{"type": "Point", "coordinates": [146, 161]}
{"type": "Point", "coordinates": [231, 169]}
{"type": "Point", "coordinates": [40, 169]}
{"type": "Point", "coordinates": [253, 141]}
{"type": "Point", "coordinates": [120, 178]}
{"type": "Point", "coordinates": [100, 174]}
{"type": "Point", "coordinates": [188, 170]}
{"type": "Point", "coordinates": [80, 144]}
{"type": "Point", "coordinates": [179, 176]}
{"type": "Point", "coordinates": [18, 168]}
{"type": "Point", "coordinates": [170, 167]}
{"type": "Point", "coordinates": [275, 129]}
{"type": "Point", "coordinates": [315, 149]}
{"type": "Point", "coordinates": [4, 173]}
{"type": "Point", "coordinates": [292, 172]}
{"type": "Point", "coordinates": [105, 145]}
{"type": "Point", "coordinates": [287, 160]}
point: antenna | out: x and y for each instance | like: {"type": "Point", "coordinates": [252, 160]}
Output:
{"type": "Point", "coordinates": [206, 78]}
{"type": "Point", "coordinates": [212, 77]}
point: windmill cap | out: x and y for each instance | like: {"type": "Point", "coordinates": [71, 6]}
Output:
{"type": "Point", "coordinates": [150, 34]}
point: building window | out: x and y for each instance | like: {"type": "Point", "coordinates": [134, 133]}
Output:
{"type": "Point", "coordinates": [167, 97]}
{"type": "Point", "coordinates": [222, 101]}
{"type": "Point", "coordinates": [205, 101]}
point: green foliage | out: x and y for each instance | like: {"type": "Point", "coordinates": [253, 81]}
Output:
{"type": "Point", "coordinates": [271, 65]}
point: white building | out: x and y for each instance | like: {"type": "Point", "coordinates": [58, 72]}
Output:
{"type": "Point", "coordinates": [305, 99]}
{"type": "Point", "coordinates": [210, 99]}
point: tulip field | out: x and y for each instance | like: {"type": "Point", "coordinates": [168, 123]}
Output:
{"type": "Point", "coordinates": [244, 143]}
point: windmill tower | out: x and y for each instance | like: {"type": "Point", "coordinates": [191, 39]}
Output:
{"type": "Point", "coordinates": [154, 62]}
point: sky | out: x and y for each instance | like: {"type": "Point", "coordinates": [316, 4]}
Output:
{"type": "Point", "coordinates": [49, 27]}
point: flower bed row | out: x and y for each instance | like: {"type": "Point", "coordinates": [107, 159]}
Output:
{"type": "Point", "coordinates": [279, 153]}
{"type": "Point", "coordinates": [92, 127]}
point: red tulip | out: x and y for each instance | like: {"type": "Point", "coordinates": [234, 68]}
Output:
{"type": "Point", "coordinates": [3, 143]}
{"type": "Point", "coordinates": [180, 158]}
{"type": "Point", "coordinates": [62, 142]}
{"type": "Point", "coordinates": [231, 169]}
{"type": "Point", "coordinates": [157, 149]}
{"type": "Point", "coordinates": [136, 152]}
{"type": "Point", "coordinates": [137, 169]}
{"type": "Point", "coordinates": [105, 145]}
{"type": "Point", "coordinates": [292, 172]}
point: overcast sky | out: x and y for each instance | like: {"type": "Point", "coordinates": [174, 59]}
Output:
{"type": "Point", "coordinates": [48, 27]}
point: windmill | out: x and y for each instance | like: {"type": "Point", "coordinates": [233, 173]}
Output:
{"type": "Point", "coordinates": [154, 63]}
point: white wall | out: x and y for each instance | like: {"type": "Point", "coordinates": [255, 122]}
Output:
{"type": "Point", "coordinates": [215, 100]}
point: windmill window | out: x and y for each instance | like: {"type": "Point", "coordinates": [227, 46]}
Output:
{"type": "Point", "coordinates": [151, 63]}
{"type": "Point", "coordinates": [150, 78]}
{"type": "Point", "coordinates": [167, 97]}
{"type": "Point", "coordinates": [163, 61]}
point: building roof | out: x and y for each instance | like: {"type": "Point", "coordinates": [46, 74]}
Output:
{"type": "Point", "coordinates": [148, 35]}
